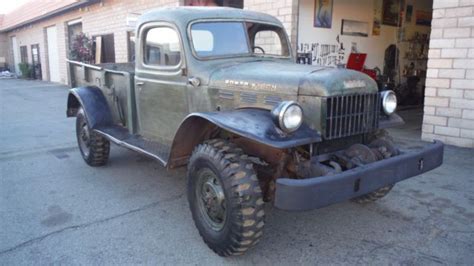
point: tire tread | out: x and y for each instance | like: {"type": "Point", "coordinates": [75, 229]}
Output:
{"type": "Point", "coordinates": [99, 148]}
{"type": "Point", "coordinates": [247, 213]}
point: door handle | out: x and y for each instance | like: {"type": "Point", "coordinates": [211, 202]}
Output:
{"type": "Point", "coordinates": [194, 81]}
{"type": "Point", "coordinates": [140, 83]}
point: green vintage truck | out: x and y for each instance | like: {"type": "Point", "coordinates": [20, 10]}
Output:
{"type": "Point", "coordinates": [218, 90]}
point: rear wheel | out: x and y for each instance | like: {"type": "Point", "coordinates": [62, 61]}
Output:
{"type": "Point", "coordinates": [93, 147]}
{"type": "Point", "coordinates": [225, 197]}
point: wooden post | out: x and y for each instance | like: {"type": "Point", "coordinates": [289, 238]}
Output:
{"type": "Point", "coordinates": [98, 49]}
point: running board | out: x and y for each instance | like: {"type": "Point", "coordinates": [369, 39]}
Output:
{"type": "Point", "coordinates": [120, 136]}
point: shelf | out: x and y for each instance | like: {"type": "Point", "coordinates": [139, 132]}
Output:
{"type": "Point", "coordinates": [415, 59]}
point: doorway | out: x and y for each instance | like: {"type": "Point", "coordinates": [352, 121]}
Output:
{"type": "Point", "coordinates": [53, 57]}
{"type": "Point", "coordinates": [36, 61]}
{"type": "Point", "coordinates": [227, 3]}
{"type": "Point", "coordinates": [388, 39]}
{"type": "Point", "coordinates": [74, 29]}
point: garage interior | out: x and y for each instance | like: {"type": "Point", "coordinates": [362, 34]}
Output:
{"type": "Point", "coordinates": [386, 39]}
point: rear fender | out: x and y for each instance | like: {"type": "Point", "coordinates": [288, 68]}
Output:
{"type": "Point", "coordinates": [94, 104]}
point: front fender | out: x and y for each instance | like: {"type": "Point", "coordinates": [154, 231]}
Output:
{"type": "Point", "coordinates": [94, 104]}
{"type": "Point", "coordinates": [258, 125]}
{"type": "Point", "coordinates": [254, 124]}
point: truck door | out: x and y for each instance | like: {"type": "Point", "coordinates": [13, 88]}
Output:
{"type": "Point", "coordinates": [160, 85]}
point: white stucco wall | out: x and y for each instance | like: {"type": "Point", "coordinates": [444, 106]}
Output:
{"type": "Point", "coordinates": [360, 10]}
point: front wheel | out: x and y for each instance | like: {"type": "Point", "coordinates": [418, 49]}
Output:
{"type": "Point", "coordinates": [225, 197]}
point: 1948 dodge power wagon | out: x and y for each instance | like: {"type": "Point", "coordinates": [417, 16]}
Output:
{"type": "Point", "coordinates": [218, 90]}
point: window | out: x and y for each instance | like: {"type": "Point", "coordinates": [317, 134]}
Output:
{"type": "Point", "coordinates": [162, 47]}
{"type": "Point", "coordinates": [24, 54]}
{"type": "Point", "coordinates": [73, 30]}
{"type": "Point", "coordinates": [214, 39]}
{"type": "Point", "coordinates": [268, 40]}
{"type": "Point", "coordinates": [233, 3]}
{"type": "Point", "coordinates": [229, 3]}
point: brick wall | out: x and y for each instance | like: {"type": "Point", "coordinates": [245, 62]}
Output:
{"type": "Point", "coordinates": [26, 37]}
{"type": "Point", "coordinates": [285, 10]}
{"type": "Point", "coordinates": [449, 95]}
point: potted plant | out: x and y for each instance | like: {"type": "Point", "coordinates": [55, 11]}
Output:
{"type": "Point", "coordinates": [25, 69]}
{"type": "Point", "coordinates": [81, 49]}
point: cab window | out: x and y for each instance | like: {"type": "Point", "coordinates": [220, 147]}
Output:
{"type": "Point", "coordinates": [162, 47]}
{"type": "Point", "coordinates": [268, 40]}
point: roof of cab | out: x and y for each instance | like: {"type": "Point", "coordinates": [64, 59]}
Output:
{"type": "Point", "coordinates": [184, 15]}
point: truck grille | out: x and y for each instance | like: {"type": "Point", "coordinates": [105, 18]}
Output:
{"type": "Point", "coordinates": [349, 115]}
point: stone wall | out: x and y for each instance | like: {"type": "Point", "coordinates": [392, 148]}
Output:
{"type": "Point", "coordinates": [449, 95]}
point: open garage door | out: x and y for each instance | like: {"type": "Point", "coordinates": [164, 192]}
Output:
{"type": "Point", "coordinates": [385, 39]}
{"type": "Point", "coordinates": [16, 56]}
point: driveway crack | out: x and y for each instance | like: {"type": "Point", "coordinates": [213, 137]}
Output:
{"type": "Point", "coordinates": [85, 225]}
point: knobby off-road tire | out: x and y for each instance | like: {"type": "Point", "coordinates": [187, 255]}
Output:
{"type": "Point", "coordinates": [223, 167]}
{"type": "Point", "coordinates": [94, 148]}
{"type": "Point", "coordinates": [386, 139]}
{"type": "Point", "coordinates": [373, 196]}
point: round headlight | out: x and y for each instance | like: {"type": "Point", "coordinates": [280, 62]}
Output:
{"type": "Point", "coordinates": [389, 102]}
{"type": "Point", "coordinates": [289, 116]}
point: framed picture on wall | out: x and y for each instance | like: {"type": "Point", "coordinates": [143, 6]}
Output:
{"type": "Point", "coordinates": [377, 23]}
{"type": "Point", "coordinates": [390, 12]}
{"type": "Point", "coordinates": [423, 18]}
{"type": "Point", "coordinates": [355, 28]}
{"type": "Point", "coordinates": [323, 13]}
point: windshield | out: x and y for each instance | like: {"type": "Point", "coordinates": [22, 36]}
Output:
{"type": "Point", "coordinates": [226, 39]}
{"type": "Point", "coordinates": [219, 38]}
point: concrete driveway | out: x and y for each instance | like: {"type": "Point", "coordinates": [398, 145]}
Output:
{"type": "Point", "coordinates": [56, 209]}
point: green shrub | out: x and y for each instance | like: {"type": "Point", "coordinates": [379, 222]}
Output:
{"type": "Point", "coordinates": [81, 49]}
{"type": "Point", "coordinates": [25, 69]}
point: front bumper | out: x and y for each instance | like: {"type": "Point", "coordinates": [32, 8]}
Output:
{"type": "Point", "coordinates": [317, 192]}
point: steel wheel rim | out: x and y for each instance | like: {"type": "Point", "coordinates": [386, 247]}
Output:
{"type": "Point", "coordinates": [84, 139]}
{"type": "Point", "coordinates": [211, 199]}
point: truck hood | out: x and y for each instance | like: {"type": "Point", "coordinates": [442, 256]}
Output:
{"type": "Point", "coordinates": [280, 77]}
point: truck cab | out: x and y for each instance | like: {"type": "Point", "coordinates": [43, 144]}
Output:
{"type": "Point", "coordinates": [218, 90]}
